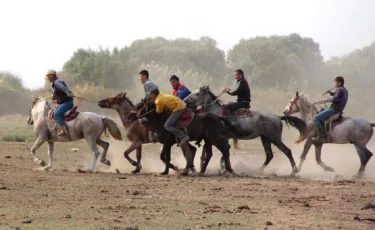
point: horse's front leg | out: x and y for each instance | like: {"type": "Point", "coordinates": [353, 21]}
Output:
{"type": "Point", "coordinates": [318, 155]}
{"type": "Point", "coordinates": [39, 142]}
{"type": "Point", "coordinates": [51, 147]}
{"type": "Point", "coordinates": [133, 145]}
{"type": "Point", "coordinates": [139, 158]}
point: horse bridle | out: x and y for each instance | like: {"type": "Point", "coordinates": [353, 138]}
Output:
{"type": "Point", "coordinates": [294, 102]}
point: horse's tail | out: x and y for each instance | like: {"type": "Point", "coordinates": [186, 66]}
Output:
{"type": "Point", "coordinates": [298, 124]}
{"type": "Point", "coordinates": [372, 124]}
{"type": "Point", "coordinates": [112, 128]}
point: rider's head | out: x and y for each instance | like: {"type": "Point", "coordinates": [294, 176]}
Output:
{"type": "Point", "coordinates": [154, 93]}
{"type": "Point", "coordinates": [339, 81]}
{"type": "Point", "coordinates": [175, 81]}
{"type": "Point", "coordinates": [51, 75]}
{"type": "Point", "coordinates": [238, 74]}
{"type": "Point", "coordinates": [143, 76]}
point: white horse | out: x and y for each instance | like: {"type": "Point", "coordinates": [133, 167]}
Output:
{"type": "Point", "coordinates": [86, 125]}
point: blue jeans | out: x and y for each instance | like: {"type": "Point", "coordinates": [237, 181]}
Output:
{"type": "Point", "coordinates": [61, 109]}
{"type": "Point", "coordinates": [323, 116]}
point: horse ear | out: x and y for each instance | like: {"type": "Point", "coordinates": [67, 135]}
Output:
{"type": "Point", "coordinates": [297, 94]}
{"type": "Point", "coordinates": [123, 95]}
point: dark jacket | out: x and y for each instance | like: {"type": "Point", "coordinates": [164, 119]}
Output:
{"type": "Point", "coordinates": [60, 92]}
{"type": "Point", "coordinates": [242, 91]}
{"type": "Point", "coordinates": [339, 99]}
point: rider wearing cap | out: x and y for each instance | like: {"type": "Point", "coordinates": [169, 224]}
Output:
{"type": "Point", "coordinates": [339, 100]}
{"type": "Point", "coordinates": [176, 106]}
{"type": "Point", "coordinates": [179, 90]}
{"type": "Point", "coordinates": [63, 97]}
{"type": "Point", "coordinates": [242, 91]}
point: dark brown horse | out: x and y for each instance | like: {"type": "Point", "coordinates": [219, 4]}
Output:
{"type": "Point", "coordinates": [213, 130]}
{"type": "Point", "coordinates": [135, 131]}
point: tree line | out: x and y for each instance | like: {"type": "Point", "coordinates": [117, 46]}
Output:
{"type": "Point", "coordinates": [285, 62]}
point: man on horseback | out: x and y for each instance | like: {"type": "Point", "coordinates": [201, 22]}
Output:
{"type": "Point", "coordinates": [242, 91]}
{"type": "Point", "coordinates": [339, 100]}
{"type": "Point", "coordinates": [147, 83]}
{"type": "Point", "coordinates": [176, 106]}
{"type": "Point", "coordinates": [179, 90]}
{"type": "Point", "coordinates": [63, 97]}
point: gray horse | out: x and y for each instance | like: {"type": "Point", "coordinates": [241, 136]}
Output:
{"type": "Point", "coordinates": [267, 126]}
{"type": "Point", "coordinates": [86, 125]}
{"type": "Point", "coordinates": [353, 130]}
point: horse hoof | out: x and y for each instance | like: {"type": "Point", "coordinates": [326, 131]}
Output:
{"type": "Point", "coordinates": [193, 170]}
{"type": "Point", "coordinates": [136, 171]}
{"type": "Point", "coordinates": [106, 162]}
{"type": "Point", "coordinates": [164, 173]}
{"type": "Point", "coordinates": [176, 169]}
{"type": "Point", "coordinates": [184, 173]}
{"type": "Point", "coordinates": [201, 174]}
{"type": "Point", "coordinates": [42, 163]}
{"type": "Point", "coordinates": [330, 169]}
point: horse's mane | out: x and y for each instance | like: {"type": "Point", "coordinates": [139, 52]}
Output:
{"type": "Point", "coordinates": [213, 96]}
{"type": "Point", "coordinates": [130, 102]}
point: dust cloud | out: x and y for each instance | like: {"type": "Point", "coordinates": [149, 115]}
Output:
{"type": "Point", "coordinates": [248, 160]}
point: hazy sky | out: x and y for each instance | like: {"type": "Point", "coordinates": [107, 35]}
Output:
{"type": "Point", "coordinates": [37, 35]}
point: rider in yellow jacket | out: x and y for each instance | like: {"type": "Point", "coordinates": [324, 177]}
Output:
{"type": "Point", "coordinates": [176, 106]}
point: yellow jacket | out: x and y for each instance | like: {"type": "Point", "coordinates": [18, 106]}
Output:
{"type": "Point", "coordinates": [166, 101]}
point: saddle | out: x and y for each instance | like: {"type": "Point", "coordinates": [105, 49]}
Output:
{"type": "Point", "coordinates": [185, 119]}
{"type": "Point", "coordinates": [68, 116]}
{"type": "Point", "coordinates": [333, 121]}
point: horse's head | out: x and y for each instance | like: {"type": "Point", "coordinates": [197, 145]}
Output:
{"type": "Point", "coordinates": [35, 108]}
{"type": "Point", "coordinates": [198, 97]}
{"type": "Point", "coordinates": [113, 102]}
{"type": "Point", "coordinates": [142, 109]}
{"type": "Point", "coordinates": [294, 106]}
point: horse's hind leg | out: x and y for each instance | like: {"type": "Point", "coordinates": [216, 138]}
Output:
{"type": "Point", "coordinates": [95, 152]}
{"type": "Point", "coordinates": [134, 145]}
{"type": "Point", "coordinates": [364, 156]}
{"type": "Point", "coordinates": [105, 146]}
{"type": "Point", "coordinates": [288, 153]}
{"type": "Point", "coordinates": [318, 155]}
{"type": "Point", "coordinates": [39, 142]}
{"type": "Point", "coordinates": [268, 150]}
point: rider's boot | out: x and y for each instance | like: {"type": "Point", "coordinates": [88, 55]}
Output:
{"type": "Point", "coordinates": [322, 136]}
{"type": "Point", "coordinates": [64, 132]}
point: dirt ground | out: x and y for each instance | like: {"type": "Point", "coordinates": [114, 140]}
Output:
{"type": "Point", "coordinates": [66, 199]}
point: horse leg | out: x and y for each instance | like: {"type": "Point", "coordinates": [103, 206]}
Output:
{"type": "Point", "coordinates": [318, 158]}
{"type": "Point", "coordinates": [131, 148]}
{"type": "Point", "coordinates": [223, 147]}
{"type": "Point", "coordinates": [305, 151]}
{"type": "Point", "coordinates": [364, 156]}
{"type": "Point", "coordinates": [207, 148]}
{"type": "Point", "coordinates": [189, 160]}
{"type": "Point", "coordinates": [165, 156]}
{"type": "Point", "coordinates": [288, 153]}
{"type": "Point", "coordinates": [268, 150]}
{"type": "Point", "coordinates": [95, 153]}
{"type": "Point", "coordinates": [193, 151]}
{"type": "Point", "coordinates": [39, 142]}
{"type": "Point", "coordinates": [105, 146]}
{"type": "Point", "coordinates": [50, 156]}
{"type": "Point", "coordinates": [138, 151]}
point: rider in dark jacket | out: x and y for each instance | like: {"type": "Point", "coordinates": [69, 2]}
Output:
{"type": "Point", "coordinates": [63, 97]}
{"type": "Point", "coordinates": [339, 100]}
{"type": "Point", "coordinates": [242, 91]}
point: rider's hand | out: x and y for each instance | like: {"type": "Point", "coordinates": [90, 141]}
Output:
{"type": "Point", "coordinates": [325, 100]}
{"type": "Point", "coordinates": [327, 92]}
{"type": "Point", "coordinates": [70, 95]}
{"type": "Point", "coordinates": [224, 90]}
